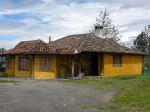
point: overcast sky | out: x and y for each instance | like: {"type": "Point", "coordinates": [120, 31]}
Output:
{"type": "Point", "coordinates": [34, 19]}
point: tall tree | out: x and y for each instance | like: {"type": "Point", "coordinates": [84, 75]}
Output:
{"type": "Point", "coordinates": [141, 42]}
{"type": "Point", "coordinates": [106, 28]}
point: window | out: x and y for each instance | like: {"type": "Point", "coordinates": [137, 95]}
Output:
{"type": "Point", "coordinates": [24, 63]}
{"type": "Point", "coordinates": [45, 64]}
{"type": "Point", "coordinates": [8, 63]}
{"type": "Point", "coordinates": [117, 60]}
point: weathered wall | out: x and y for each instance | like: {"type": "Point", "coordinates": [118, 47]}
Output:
{"type": "Point", "coordinates": [45, 75]}
{"type": "Point", "coordinates": [19, 73]}
{"type": "Point", "coordinates": [131, 65]}
{"type": "Point", "coordinates": [11, 72]}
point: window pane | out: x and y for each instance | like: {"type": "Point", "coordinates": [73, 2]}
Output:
{"type": "Point", "coordinates": [24, 63]}
{"type": "Point", "coordinates": [44, 64]}
{"type": "Point", "coordinates": [117, 60]}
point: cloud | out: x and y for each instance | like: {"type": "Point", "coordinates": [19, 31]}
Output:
{"type": "Point", "coordinates": [128, 3]}
{"type": "Point", "coordinates": [33, 19]}
{"type": "Point", "coordinates": [16, 4]}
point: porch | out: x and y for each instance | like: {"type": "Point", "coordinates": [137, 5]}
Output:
{"type": "Point", "coordinates": [87, 64]}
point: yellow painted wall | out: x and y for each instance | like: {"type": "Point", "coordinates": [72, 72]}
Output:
{"type": "Point", "coordinates": [131, 65]}
{"type": "Point", "coordinates": [45, 75]}
{"type": "Point", "coordinates": [11, 72]}
{"type": "Point", "coordinates": [22, 74]}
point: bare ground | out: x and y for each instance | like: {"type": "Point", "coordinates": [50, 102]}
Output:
{"type": "Point", "coordinates": [51, 96]}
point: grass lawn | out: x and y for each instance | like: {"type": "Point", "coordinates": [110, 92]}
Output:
{"type": "Point", "coordinates": [133, 94]}
{"type": "Point", "coordinates": [8, 81]}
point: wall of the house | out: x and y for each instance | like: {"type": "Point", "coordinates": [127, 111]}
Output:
{"type": "Point", "coordinates": [14, 71]}
{"type": "Point", "coordinates": [45, 75]}
{"type": "Point", "coordinates": [131, 65]}
{"type": "Point", "coordinates": [22, 74]}
{"type": "Point", "coordinates": [11, 72]}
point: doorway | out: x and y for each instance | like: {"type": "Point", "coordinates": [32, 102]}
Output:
{"type": "Point", "coordinates": [94, 64]}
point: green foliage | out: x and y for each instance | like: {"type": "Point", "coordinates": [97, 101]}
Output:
{"type": "Point", "coordinates": [141, 42]}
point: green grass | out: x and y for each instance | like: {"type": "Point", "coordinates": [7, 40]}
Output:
{"type": "Point", "coordinates": [95, 82]}
{"type": "Point", "coordinates": [8, 81]}
{"type": "Point", "coordinates": [133, 94]}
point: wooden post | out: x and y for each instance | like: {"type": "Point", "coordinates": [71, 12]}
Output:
{"type": "Point", "coordinates": [67, 66]}
{"type": "Point", "coordinates": [79, 64]}
{"type": "Point", "coordinates": [58, 66]}
{"type": "Point", "coordinates": [72, 67]}
{"type": "Point", "coordinates": [32, 66]}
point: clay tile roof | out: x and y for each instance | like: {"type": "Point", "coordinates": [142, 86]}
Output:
{"type": "Point", "coordinates": [70, 45]}
{"type": "Point", "coordinates": [88, 43]}
{"type": "Point", "coordinates": [30, 47]}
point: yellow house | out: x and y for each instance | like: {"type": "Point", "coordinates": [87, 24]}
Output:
{"type": "Point", "coordinates": [72, 56]}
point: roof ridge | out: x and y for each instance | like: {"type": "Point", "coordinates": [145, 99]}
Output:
{"type": "Point", "coordinates": [42, 42]}
{"type": "Point", "coordinates": [30, 40]}
{"type": "Point", "coordinates": [71, 35]}
{"type": "Point", "coordinates": [82, 42]}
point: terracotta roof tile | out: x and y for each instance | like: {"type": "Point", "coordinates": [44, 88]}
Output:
{"type": "Point", "coordinates": [70, 45]}
{"type": "Point", "coordinates": [88, 43]}
{"type": "Point", "coordinates": [31, 47]}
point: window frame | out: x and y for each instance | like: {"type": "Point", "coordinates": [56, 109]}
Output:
{"type": "Point", "coordinates": [117, 60]}
{"type": "Point", "coordinates": [23, 64]}
{"type": "Point", "coordinates": [44, 64]}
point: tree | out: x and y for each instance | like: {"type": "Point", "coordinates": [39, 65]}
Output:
{"type": "Point", "coordinates": [141, 42]}
{"type": "Point", "coordinates": [104, 26]}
